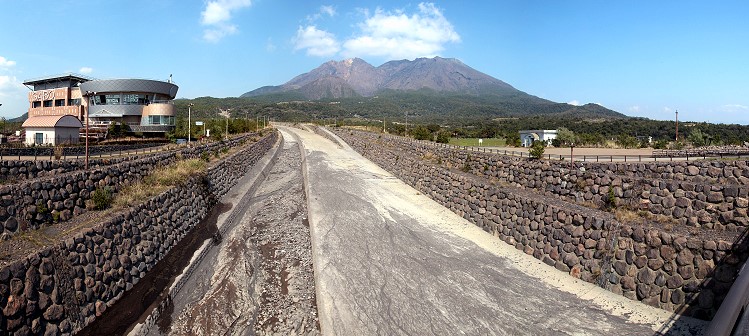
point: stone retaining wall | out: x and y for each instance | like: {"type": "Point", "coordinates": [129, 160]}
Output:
{"type": "Point", "coordinates": [60, 197]}
{"type": "Point", "coordinates": [48, 151]}
{"type": "Point", "coordinates": [14, 171]}
{"type": "Point", "coordinates": [719, 199]}
{"type": "Point", "coordinates": [62, 288]}
{"type": "Point", "coordinates": [673, 271]}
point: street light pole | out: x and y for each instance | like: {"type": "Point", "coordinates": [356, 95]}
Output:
{"type": "Point", "coordinates": [189, 121]}
{"type": "Point", "coordinates": [88, 95]}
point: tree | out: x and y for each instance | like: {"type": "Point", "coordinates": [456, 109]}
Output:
{"type": "Point", "coordinates": [627, 141]}
{"type": "Point", "coordinates": [537, 150]}
{"type": "Point", "coordinates": [433, 128]}
{"type": "Point", "coordinates": [513, 139]}
{"type": "Point", "coordinates": [421, 133]}
{"type": "Point", "coordinates": [116, 130]}
{"type": "Point", "coordinates": [443, 137]}
{"type": "Point", "coordinates": [697, 138]}
{"type": "Point", "coordinates": [566, 137]}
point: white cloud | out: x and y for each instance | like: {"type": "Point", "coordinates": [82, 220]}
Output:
{"type": "Point", "coordinates": [388, 34]}
{"type": "Point", "coordinates": [217, 17]}
{"type": "Point", "coordinates": [735, 108]}
{"type": "Point", "coordinates": [329, 10]}
{"type": "Point", "coordinates": [397, 35]}
{"type": "Point", "coordinates": [6, 63]}
{"type": "Point", "coordinates": [324, 10]}
{"type": "Point", "coordinates": [86, 70]}
{"type": "Point", "coordinates": [574, 102]}
{"type": "Point", "coordinates": [12, 96]}
{"type": "Point", "coordinates": [634, 109]}
{"type": "Point", "coordinates": [316, 42]}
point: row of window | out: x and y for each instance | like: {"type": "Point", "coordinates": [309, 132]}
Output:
{"type": "Point", "coordinates": [161, 120]}
{"type": "Point", "coordinates": [123, 99]}
{"type": "Point", "coordinates": [56, 103]}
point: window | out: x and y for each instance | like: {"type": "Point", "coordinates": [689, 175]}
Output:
{"type": "Point", "coordinates": [36, 104]}
{"type": "Point", "coordinates": [59, 102]}
{"type": "Point", "coordinates": [74, 102]}
{"type": "Point", "coordinates": [38, 138]}
{"type": "Point", "coordinates": [161, 120]}
{"type": "Point", "coordinates": [47, 103]}
{"type": "Point", "coordinates": [138, 99]}
{"type": "Point", "coordinates": [113, 99]}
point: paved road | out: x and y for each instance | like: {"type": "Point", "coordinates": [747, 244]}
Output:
{"type": "Point", "coordinates": [390, 261]}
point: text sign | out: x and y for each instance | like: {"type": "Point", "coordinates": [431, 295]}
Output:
{"type": "Point", "coordinates": [198, 123]}
{"type": "Point", "coordinates": [481, 141]}
{"type": "Point", "coordinates": [43, 95]}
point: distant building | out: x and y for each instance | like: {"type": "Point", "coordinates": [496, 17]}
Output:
{"type": "Point", "coordinates": [528, 136]}
{"type": "Point", "coordinates": [144, 106]}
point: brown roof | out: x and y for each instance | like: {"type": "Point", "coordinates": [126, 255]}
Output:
{"type": "Point", "coordinates": [53, 121]}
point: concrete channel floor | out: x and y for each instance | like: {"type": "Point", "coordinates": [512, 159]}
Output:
{"type": "Point", "coordinates": [390, 261]}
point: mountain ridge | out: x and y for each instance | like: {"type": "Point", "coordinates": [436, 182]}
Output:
{"type": "Point", "coordinates": [355, 78]}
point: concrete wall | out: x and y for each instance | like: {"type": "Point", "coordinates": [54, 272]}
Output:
{"type": "Point", "coordinates": [668, 268]}
{"type": "Point", "coordinates": [62, 288]}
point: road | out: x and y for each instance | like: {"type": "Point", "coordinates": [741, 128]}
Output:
{"type": "Point", "coordinates": [390, 261]}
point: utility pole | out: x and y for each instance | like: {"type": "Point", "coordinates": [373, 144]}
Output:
{"type": "Point", "coordinates": [383, 125]}
{"type": "Point", "coordinates": [677, 125]}
{"type": "Point", "coordinates": [189, 121]}
{"type": "Point", "coordinates": [88, 95]}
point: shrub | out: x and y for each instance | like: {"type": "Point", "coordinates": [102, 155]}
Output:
{"type": "Point", "coordinates": [443, 137]}
{"type": "Point", "coordinates": [205, 156]}
{"type": "Point", "coordinates": [102, 198]}
{"type": "Point", "coordinates": [537, 150]}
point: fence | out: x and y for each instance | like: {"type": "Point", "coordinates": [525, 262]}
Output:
{"type": "Point", "coordinates": [76, 152]}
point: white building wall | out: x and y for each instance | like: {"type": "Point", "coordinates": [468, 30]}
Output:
{"type": "Point", "coordinates": [527, 137]}
{"type": "Point", "coordinates": [51, 136]}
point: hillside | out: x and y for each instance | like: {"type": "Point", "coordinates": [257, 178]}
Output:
{"type": "Point", "coordinates": [437, 87]}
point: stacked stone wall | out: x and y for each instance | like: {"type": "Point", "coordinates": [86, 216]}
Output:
{"type": "Point", "coordinates": [62, 288]}
{"type": "Point", "coordinates": [713, 194]}
{"type": "Point", "coordinates": [662, 268]}
{"type": "Point", "coordinates": [60, 197]}
{"type": "Point", "coordinates": [14, 171]}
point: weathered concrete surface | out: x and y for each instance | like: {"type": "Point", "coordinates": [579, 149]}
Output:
{"type": "Point", "coordinates": [258, 278]}
{"type": "Point", "coordinates": [389, 260]}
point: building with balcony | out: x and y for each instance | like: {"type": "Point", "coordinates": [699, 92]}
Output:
{"type": "Point", "coordinates": [141, 105]}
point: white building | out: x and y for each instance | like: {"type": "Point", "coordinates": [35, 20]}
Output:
{"type": "Point", "coordinates": [528, 136]}
{"type": "Point", "coordinates": [52, 130]}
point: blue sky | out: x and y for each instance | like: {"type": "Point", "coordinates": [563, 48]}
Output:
{"type": "Point", "coordinates": [641, 58]}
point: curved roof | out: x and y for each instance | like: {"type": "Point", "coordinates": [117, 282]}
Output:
{"type": "Point", "coordinates": [130, 85]}
{"type": "Point", "coordinates": [53, 121]}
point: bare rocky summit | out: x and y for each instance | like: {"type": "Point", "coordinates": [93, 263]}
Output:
{"type": "Point", "coordinates": [355, 77]}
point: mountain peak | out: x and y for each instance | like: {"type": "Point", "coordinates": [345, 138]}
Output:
{"type": "Point", "coordinates": [357, 77]}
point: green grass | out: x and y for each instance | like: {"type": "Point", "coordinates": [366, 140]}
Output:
{"type": "Point", "coordinates": [489, 142]}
